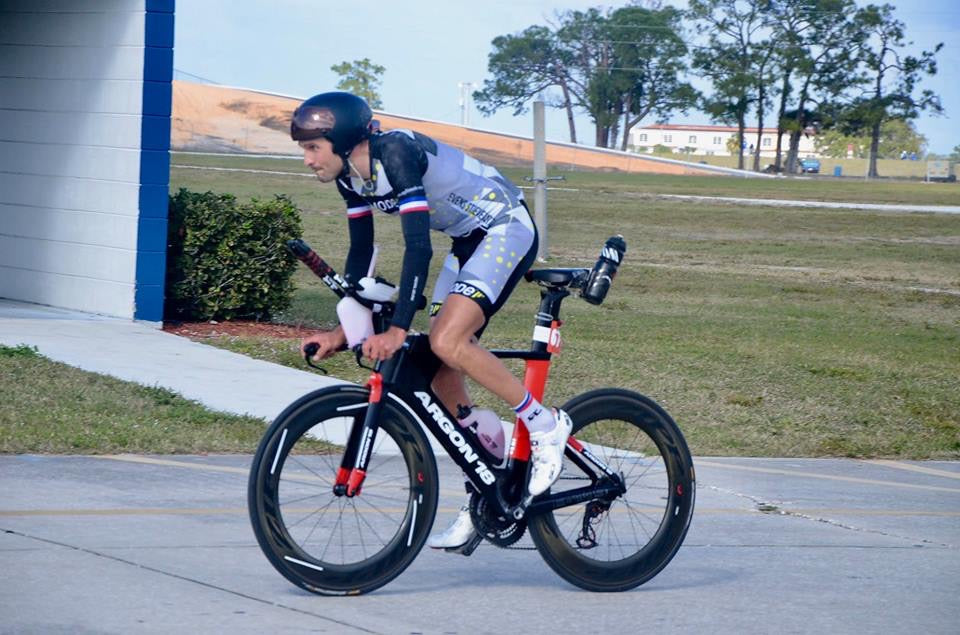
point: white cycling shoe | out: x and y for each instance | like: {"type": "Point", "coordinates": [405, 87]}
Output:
{"type": "Point", "coordinates": [456, 535]}
{"type": "Point", "coordinates": [546, 453]}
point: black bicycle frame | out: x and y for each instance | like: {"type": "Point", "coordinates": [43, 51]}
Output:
{"type": "Point", "coordinates": [406, 378]}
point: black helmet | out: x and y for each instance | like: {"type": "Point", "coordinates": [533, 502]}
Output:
{"type": "Point", "coordinates": [342, 118]}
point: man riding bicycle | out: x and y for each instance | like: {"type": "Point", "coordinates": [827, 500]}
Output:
{"type": "Point", "coordinates": [494, 241]}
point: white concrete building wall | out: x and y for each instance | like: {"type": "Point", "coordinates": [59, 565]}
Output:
{"type": "Point", "coordinates": [81, 159]}
{"type": "Point", "coordinates": [712, 140]}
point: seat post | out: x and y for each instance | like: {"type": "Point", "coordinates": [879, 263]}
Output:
{"type": "Point", "coordinates": [550, 300]}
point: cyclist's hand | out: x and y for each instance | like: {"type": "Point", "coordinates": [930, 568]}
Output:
{"type": "Point", "coordinates": [384, 345]}
{"type": "Point", "coordinates": [329, 342]}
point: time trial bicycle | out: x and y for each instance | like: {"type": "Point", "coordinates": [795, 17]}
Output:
{"type": "Point", "coordinates": [348, 517]}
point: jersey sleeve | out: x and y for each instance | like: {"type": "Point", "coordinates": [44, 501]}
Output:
{"type": "Point", "coordinates": [405, 163]}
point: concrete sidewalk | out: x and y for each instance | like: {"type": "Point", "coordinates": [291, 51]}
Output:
{"type": "Point", "coordinates": [142, 353]}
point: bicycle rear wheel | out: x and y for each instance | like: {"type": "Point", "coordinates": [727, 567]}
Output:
{"type": "Point", "coordinates": [331, 544]}
{"type": "Point", "coordinates": [620, 543]}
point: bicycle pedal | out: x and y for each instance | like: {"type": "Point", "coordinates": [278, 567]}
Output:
{"type": "Point", "coordinates": [468, 547]}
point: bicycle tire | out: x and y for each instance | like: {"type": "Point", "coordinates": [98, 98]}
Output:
{"type": "Point", "coordinates": [642, 529]}
{"type": "Point", "coordinates": [335, 545]}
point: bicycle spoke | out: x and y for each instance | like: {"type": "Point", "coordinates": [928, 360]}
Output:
{"type": "Point", "coordinates": [372, 528]}
{"type": "Point", "coordinates": [322, 511]}
{"type": "Point", "coordinates": [363, 547]}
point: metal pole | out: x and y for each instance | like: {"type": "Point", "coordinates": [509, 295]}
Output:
{"type": "Point", "coordinates": [540, 176]}
{"type": "Point", "coordinates": [466, 101]}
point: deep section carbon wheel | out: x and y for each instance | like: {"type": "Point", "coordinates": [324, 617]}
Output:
{"type": "Point", "coordinates": [620, 542]}
{"type": "Point", "coordinates": [332, 544]}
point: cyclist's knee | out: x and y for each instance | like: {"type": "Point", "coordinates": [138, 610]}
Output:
{"type": "Point", "coordinates": [448, 345]}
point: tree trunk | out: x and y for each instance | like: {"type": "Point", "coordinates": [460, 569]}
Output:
{"type": "Point", "coordinates": [874, 149]}
{"type": "Point", "coordinates": [569, 108]}
{"type": "Point", "coordinates": [603, 132]}
{"type": "Point", "coordinates": [615, 126]}
{"type": "Point", "coordinates": [791, 166]}
{"type": "Point", "coordinates": [784, 97]}
{"type": "Point", "coordinates": [626, 123]}
{"type": "Point", "coordinates": [875, 128]}
{"type": "Point", "coordinates": [801, 121]}
{"type": "Point", "coordinates": [761, 95]}
{"type": "Point", "coordinates": [741, 138]}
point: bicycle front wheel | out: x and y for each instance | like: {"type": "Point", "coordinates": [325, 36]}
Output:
{"type": "Point", "coordinates": [618, 543]}
{"type": "Point", "coordinates": [331, 544]}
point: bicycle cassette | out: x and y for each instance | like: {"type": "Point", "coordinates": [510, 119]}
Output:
{"type": "Point", "coordinates": [494, 528]}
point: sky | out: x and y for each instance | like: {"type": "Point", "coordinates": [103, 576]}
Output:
{"type": "Point", "coordinates": [429, 47]}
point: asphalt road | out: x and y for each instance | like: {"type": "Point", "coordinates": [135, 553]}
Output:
{"type": "Point", "coordinates": [163, 544]}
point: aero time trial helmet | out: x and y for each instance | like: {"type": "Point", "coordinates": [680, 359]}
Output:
{"type": "Point", "coordinates": [342, 118]}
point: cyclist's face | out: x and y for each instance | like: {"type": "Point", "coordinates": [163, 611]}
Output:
{"type": "Point", "coordinates": [318, 156]}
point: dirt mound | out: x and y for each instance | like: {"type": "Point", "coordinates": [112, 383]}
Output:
{"type": "Point", "coordinates": [210, 118]}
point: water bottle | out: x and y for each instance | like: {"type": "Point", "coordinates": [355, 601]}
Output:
{"type": "Point", "coordinates": [486, 424]}
{"type": "Point", "coordinates": [598, 283]}
{"type": "Point", "coordinates": [356, 320]}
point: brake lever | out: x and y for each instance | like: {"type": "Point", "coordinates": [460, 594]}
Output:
{"type": "Point", "coordinates": [308, 352]}
{"type": "Point", "coordinates": [358, 351]}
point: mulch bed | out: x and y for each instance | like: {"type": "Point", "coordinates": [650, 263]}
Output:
{"type": "Point", "coordinates": [240, 328]}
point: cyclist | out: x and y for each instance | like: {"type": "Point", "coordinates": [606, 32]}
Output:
{"type": "Point", "coordinates": [431, 185]}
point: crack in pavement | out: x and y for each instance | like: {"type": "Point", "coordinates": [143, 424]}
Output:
{"type": "Point", "coordinates": [777, 509]}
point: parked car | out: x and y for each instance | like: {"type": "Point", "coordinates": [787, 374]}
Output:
{"type": "Point", "coordinates": [810, 165]}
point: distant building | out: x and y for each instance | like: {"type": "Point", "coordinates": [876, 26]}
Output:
{"type": "Point", "coordinates": [712, 140]}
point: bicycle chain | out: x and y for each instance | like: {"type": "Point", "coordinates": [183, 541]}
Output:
{"type": "Point", "coordinates": [512, 545]}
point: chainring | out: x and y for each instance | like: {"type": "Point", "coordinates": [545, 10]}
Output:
{"type": "Point", "coordinates": [494, 528]}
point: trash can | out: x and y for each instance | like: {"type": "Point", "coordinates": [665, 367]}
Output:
{"type": "Point", "coordinates": [837, 170]}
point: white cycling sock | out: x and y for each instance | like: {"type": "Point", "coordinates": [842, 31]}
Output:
{"type": "Point", "coordinates": [534, 415]}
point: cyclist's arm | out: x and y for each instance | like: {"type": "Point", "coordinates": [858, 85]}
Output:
{"type": "Point", "coordinates": [360, 225]}
{"type": "Point", "coordinates": [416, 263]}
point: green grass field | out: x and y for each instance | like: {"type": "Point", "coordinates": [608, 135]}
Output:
{"type": "Point", "coordinates": [854, 169]}
{"type": "Point", "coordinates": [764, 331]}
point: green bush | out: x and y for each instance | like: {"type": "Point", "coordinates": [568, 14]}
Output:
{"type": "Point", "coordinates": [227, 259]}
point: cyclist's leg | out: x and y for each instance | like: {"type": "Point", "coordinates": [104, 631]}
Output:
{"type": "Point", "coordinates": [484, 283]}
{"type": "Point", "coordinates": [448, 384]}
{"type": "Point", "coordinates": [487, 275]}
{"type": "Point", "coordinates": [450, 387]}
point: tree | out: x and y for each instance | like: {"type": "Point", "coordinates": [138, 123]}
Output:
{"type": "Point", "coordinates": [955, 155]}
{"type": "Point", "coordinates": [896, 138]}
{"type": "Point", "coordinates": [733, 28]}
{"type": "Point", "coordinates": [619, 66]}
{"type": "Point", "coordinates": [893, 78]}
{"type": "Point", "coordinates": [584, 34]}
{"type": "Point", "coordinates": [525, 66]}
{"type": "Point", "coordinates": [790, 22]}
{"type": "Point", "coordinates": [825, 71]}
{"type": "Point", "coordinates": [650, 55]}
{"type": "Point", "coordinates": [362, 78]}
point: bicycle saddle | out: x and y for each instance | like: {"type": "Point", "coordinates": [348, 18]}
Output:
{"type": "Point", "coordinates": [554, 277]}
